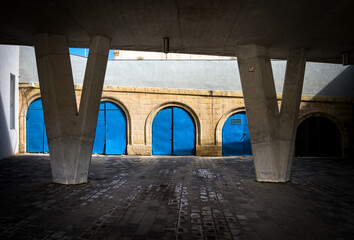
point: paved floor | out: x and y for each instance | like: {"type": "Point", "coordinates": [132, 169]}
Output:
{"type": "Point", "coordinates": [176, 198]}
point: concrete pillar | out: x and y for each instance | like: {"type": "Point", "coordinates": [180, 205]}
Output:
{"type": "Point", "coordinates": [272, 132]}
{"type": "Point", "coordinates": [70, 132]}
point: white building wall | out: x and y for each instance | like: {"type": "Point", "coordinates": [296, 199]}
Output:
{"type": "Point", "coordinates": [333, 80]}
{"type": "Point", "coordinates": [141, 55]}
{"type": "Point", "coordinates": [9, 64]}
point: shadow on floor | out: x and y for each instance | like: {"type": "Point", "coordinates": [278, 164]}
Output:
{"type": "Point", "coordinates": [176, 198]}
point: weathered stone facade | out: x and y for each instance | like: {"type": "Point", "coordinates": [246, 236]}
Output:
{"type": "Point", "coordinates": [209, 109]}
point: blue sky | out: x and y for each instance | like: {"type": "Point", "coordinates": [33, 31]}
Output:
{"type": "Point", "coordinates": [81, 52]}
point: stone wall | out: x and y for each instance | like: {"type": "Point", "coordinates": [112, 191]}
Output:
{"type": "Point", "coordinates": [210, 110]}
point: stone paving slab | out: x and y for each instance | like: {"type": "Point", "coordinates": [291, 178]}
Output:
{"type": "Point", "coordinates": [176, 198]}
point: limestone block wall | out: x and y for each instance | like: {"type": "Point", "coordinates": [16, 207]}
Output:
{"type": "Point", "coordinates": [209, 109]}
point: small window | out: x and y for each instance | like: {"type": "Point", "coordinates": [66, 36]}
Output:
{"type": "Point", "coordinates": [12, 101]}
{"type": "Point", "coordinates": [236, 121]}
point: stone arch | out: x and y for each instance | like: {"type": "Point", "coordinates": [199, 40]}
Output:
{"type": "Point", "coordinates": [221, 122]}
{"type": "Point", "coordinates": [341, 127]}
{"type": "Point", "coordinates": [156, 109]}
{"type": "Point", "coordinates": [29, 101]}
{"type": "Point", "coordinates": [126, 112]}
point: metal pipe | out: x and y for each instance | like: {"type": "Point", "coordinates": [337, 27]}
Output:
{"type": "Point", "coordinates": [346, 58]}
{"type": "Point", "coordinates": [166, 44]}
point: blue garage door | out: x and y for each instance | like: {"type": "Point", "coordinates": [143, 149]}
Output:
{"type": "Point", "coordinates": [110, 137]}
{"type": "Point", "coordinates": [173, 133]}
{"type": "Point", "coordinates": [235, 136]}
{"type": "Point", "coordinates": [36, 136]}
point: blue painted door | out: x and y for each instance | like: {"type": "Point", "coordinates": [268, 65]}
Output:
{"type": "Point", "coordinates": [36, 136]}
{"type": "Point", "coordinates": [183, 133]}
{"type": "Point", "coordinates": [162, 133]}
{"type": "Point", "coordinates": [116, 128]}
{"type": "Point", "coordinates": [100, 135]}
{"type": "Point", "coordinates": [235, 136]}
{"type": "Point", "coordinates": [173, 133]}
{"type": "Point", "coordinates": [110, 137]}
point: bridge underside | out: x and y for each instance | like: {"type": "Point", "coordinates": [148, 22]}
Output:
{"type": "Point", "coordinates": [202, 27]}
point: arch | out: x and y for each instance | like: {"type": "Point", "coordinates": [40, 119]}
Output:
{"type": "Point", "coordinates": [126, 112]}
{"type": "Point", "coordinates": [24, 108]}
{"type": "Point", "coordinates": [337, 123]}
{"type": "Point", "coordinates": [111, 130]}
{"type": "Point", "coordinates": [29, 101]}
{"type": "Point", "coordinates": [221, 122]}
{"type": "Point", "coordinates": [158, 108]}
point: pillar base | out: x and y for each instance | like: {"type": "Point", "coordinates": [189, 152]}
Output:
{"type": "Point", "coordinates": [273, 160]}
{"type": "Point", "coordinates": [70, 160]}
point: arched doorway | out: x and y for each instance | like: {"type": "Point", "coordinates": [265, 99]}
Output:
{"type": "Point", "coordinates": [318, 137]}
{"type": "Point", "coordinates": [36, 136]}
{"type": "Point", "coordinates": [173, 132]}
{"type": "Point", "coordinates": [111, 129]}
{"type": "Point", "coordinates": [235, 136]}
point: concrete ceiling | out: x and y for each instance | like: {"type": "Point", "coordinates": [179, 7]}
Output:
{"type": "Point", "coordinates": [324, 27]}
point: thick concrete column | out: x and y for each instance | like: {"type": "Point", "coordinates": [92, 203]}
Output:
{"type": "Point", "coordinates": [272, 132]}
{"type": "Point", "coordinates": [70, 132]}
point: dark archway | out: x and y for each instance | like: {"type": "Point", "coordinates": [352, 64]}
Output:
{"type": "Point", "coordinates": [318, 137]}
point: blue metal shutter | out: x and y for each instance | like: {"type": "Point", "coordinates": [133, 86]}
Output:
{"type": "Point", "coordinates": [115, 129]}
{"type": "Point", "coordinates": [100, 135]}
{"type": "Point", "coordinates": [162, 133]}
{"type": "Point", "coordinates": [36, 138]}
{"type": "Point", "coordinates": [235, 136]}
{"type": "Point", "coordinates": [110, 136]}
{"type": "Point", "coordinates": [247, 150]}
{"type": "Point", "coordinates": [173, 133]}
{"type": "Point", "coordinates": [45, 140]}
{"type": "Point", "coordinates": [183, 133]}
